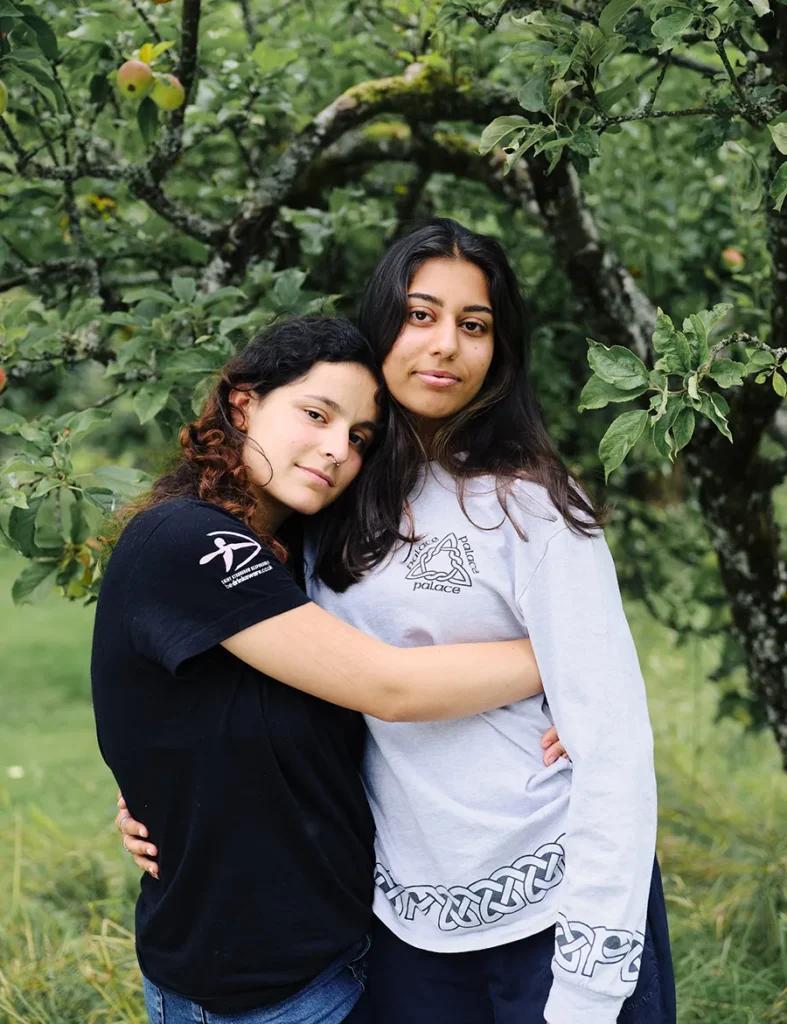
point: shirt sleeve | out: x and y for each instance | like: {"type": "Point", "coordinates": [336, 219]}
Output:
{"type": "Point", "coordinates": [200, 577]}
{"type": "Point", "coordinates": [593, 684]}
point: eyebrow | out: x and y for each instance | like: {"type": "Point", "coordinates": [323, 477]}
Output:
{"type": "Point", "coordinates": [335, 407]}
{"type": "Point", "coordinates": [439, 302]}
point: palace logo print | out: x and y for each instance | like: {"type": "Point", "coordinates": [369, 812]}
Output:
{"type": "Point", "coordinates": [442, 564]}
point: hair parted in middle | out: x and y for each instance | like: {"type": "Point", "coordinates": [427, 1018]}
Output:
{"type": "Point", "coordinates": [500, 433]}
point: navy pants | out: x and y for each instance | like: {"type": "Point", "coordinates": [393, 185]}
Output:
{"type": "Point", "coordinates": [503, 985]}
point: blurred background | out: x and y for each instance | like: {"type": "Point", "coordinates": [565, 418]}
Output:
{"type": "Point", "coordinates": [256, 159]}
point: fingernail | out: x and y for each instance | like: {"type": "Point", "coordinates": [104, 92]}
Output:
{"type": "Point", "coordinates": [550, 759]}
{"type": "Point", "coordinates": [144, 833]}
{"type": "Point", "coordinates": [151, 851]}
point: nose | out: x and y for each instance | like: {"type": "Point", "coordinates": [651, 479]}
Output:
{"type": "Point", "coordinates": [444, 340]}
{"type": "Point", "coordinates": [336, 444]}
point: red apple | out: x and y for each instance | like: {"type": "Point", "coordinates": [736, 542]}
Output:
{"type": "Point", "coordinates": [2, 378]}
{"type": "Point", "coordinates": [168, 93]}
{"type": "Point", "coordinates": [733, 258]}
{"type": "Point", "coordinates": [135, 79]}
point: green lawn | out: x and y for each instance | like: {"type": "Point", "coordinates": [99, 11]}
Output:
{"type": "Point", "coordinates": [66, 889]}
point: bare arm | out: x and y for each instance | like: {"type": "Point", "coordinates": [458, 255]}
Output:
{"type": "Point", "coordinates": [311, 650]}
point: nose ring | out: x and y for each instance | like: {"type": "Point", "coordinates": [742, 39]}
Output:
{"type": "Point", "coordinates": [337, 464]}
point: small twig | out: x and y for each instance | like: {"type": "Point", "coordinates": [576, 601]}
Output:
{"type": "Point", "coordinates": [248, 22]}
{"type": "Point", "coordinates": [654, 91]}
{"type": "Point", "coordinates": [641, 115]}
{"type": "Point", "coordinates": [491, 21]}
{"type": "Point", "coordinates": [143, 14]}
{"type": "Point", "coordinates": [279, 9]}
{"type": "Point", "coordinates": [722, 52]}
{"type": "Point", "coordinates": [109, 398]}
{"type": "Point", "coordinates": [13, 141]}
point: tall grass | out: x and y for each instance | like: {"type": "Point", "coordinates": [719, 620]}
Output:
{"type": "Point", "coordinates": [67, 891]}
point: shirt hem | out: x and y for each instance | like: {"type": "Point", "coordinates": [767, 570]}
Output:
{"type": "Point", "coordinates": [463, 942]}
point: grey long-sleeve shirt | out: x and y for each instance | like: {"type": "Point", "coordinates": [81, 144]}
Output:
{"type": "Point", "coordinates": [478, 843]}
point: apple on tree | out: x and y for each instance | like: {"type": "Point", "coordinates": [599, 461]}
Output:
{"type": "Point", "coordinates": [2, 378]}
{"type": "Point", "coordinates": [135, 79]}
{"type": "Point", "coordinates": [168, 93]}
{"type": "Point", "coordinates": [733, 258]}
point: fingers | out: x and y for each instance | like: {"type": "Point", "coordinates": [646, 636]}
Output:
{"type": "Point", "coordinates": [121, 802]}
{"type": "Point", "coordinates": [129, 826]}
{"type": "Point", "coordinates": [147, 865]}
{"type": "Point", "coordinates": [553, 752]}
{"type": "Point", "coordinates": [549, 737]}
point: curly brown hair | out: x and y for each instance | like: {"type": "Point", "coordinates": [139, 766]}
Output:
{"type": "Point", "coordinates": [211, 465]}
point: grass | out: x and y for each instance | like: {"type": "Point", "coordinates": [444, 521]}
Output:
{"type": "Point", "coordinates": [66, 890]}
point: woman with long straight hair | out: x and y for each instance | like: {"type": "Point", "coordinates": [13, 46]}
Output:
{"type": "Point", "coordinates": [507, 891]}
{"type": "Point", "coordinates": [262, 905]}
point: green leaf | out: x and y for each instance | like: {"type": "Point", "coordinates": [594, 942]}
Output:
{"type": "Point", "coordinates": [532, 95]}
{"type": "Point", "coordinates": [150, 400]}
{"type": "Point", "coordinates": [495, 132]}
{"type": "Point", "coordinates": [620, 438]}
{"type": "Point", "coordinates": [779, 187]}
{"type": "Point", "coordinates": [750, 195]}
{"type": "Point", "coordinates": [759, 359]}
{"type": "Point", "coordinates": [287, 289]}
{"type": "Point", "coordinates": [44, 35]}
{"type": "Point", "coordinates": [715, 409]}
{"type": "Point", "coordinates": [269, 58]}
{"type": "Point", "coordinates": [22, 528]}
{"type": "Point", "coordinates": [185, 288]}
{"type": "Point", "coordinates": [147, 119]}
{"type": "Point", "coordinates": [35, 581]}
{"type": "Point", "coordinates": [124, 481]}
{"type": "Point", "coordinates": [80, 424]}
{"type": "Point", "coordinates": [762, 7]}
{"type": "Point", "coordinates": [617, 365]}
{"type": "Point", "coordinates": [7, 10]}
{"type": "Point", "coordinates": [779, 385]}
{"type": "Point", "coordinates": [668, 30]}
{"type": "Point", "coordinates": [683, 428]}
{"type": "Point", "coordinates": [585, 141]}
{"type": "Point", "coordinates": [609, 97]}
{"type": "Point", "coordinates": [779, 136]}
{"type": "Point", "coordinates": [661, 425]}
{"type": "Point", "coordinates": [597, 393]}
{"type": "Point", "coordinates": [612, 13]}
{"type": "Point", "coordinates": [102, 498]}
{"type": "Point", "coordinates": [727, 373]}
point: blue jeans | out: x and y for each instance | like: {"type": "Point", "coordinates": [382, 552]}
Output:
{"type": "Point", "coordinates": [328, 999]}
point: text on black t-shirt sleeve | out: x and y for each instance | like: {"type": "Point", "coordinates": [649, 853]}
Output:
{"type": "Point", "coordinates": [201, 577]}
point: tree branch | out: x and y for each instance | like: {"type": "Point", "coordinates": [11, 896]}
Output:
{"type": "Point", "coordinates": [143, 15]}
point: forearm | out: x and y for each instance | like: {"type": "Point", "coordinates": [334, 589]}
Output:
{"type": "Point", "coordinates": [315, 652]}
{"type": "Point", "coordinates": [459, 680]}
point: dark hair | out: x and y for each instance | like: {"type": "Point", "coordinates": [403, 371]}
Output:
{"type": "Point", "coordinates": [211, 465]}
{"type": "Point", "coordinates": [500, 432]}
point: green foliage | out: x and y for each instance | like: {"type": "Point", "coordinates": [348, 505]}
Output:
{"type": "Point", "coordinates": [680, 381]}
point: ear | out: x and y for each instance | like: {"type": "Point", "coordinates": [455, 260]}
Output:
{"type": "Point", "coordinates": [239, 407]}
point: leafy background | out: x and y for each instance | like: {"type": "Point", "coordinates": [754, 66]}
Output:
{"type": "Point", "coordinates": [631, 157]}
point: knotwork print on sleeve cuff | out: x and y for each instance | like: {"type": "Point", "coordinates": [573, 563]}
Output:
{"type": "Point", "coordinates": [580, 948]}
{"type": "Point", "coordinates": [507, 891]}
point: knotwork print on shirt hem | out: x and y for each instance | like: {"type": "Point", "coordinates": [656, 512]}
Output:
{"type": "Point", "coordinates": [580, 948]}
{"type": "Point", "coordinates": [507, 890]}
{"type": "Point", "coordinates": [444, 565]}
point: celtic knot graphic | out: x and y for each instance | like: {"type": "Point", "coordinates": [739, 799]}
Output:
{"type": "Point", "coordinates": [508, 890]}
{"type": "Point", "coordinates": [434, 568]}
{"type": "Point", "coordinates": [579, 947]}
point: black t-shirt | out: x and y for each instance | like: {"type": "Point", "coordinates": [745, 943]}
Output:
{"type": "Point", "coordinates": [249, 788]}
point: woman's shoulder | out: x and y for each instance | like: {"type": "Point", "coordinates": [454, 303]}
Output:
{"type": "Point", "coordinates": [186, 521]}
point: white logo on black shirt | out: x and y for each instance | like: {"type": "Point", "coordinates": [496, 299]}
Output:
{"type": "Point", "coordinates": [443, 565]}
{"type": "Point", "coordinates": [227, 549]}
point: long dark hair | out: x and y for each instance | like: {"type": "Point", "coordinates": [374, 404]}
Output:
{"type": "Point", "coordinates": [210, 466]}
{"type": "Point", "coordinates": [500, 433]}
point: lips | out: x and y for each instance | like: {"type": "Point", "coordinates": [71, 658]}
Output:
{"type": "Point", "coordinates": [317, 475]}
{"type": "Point", "coordinates": [437, 378]}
